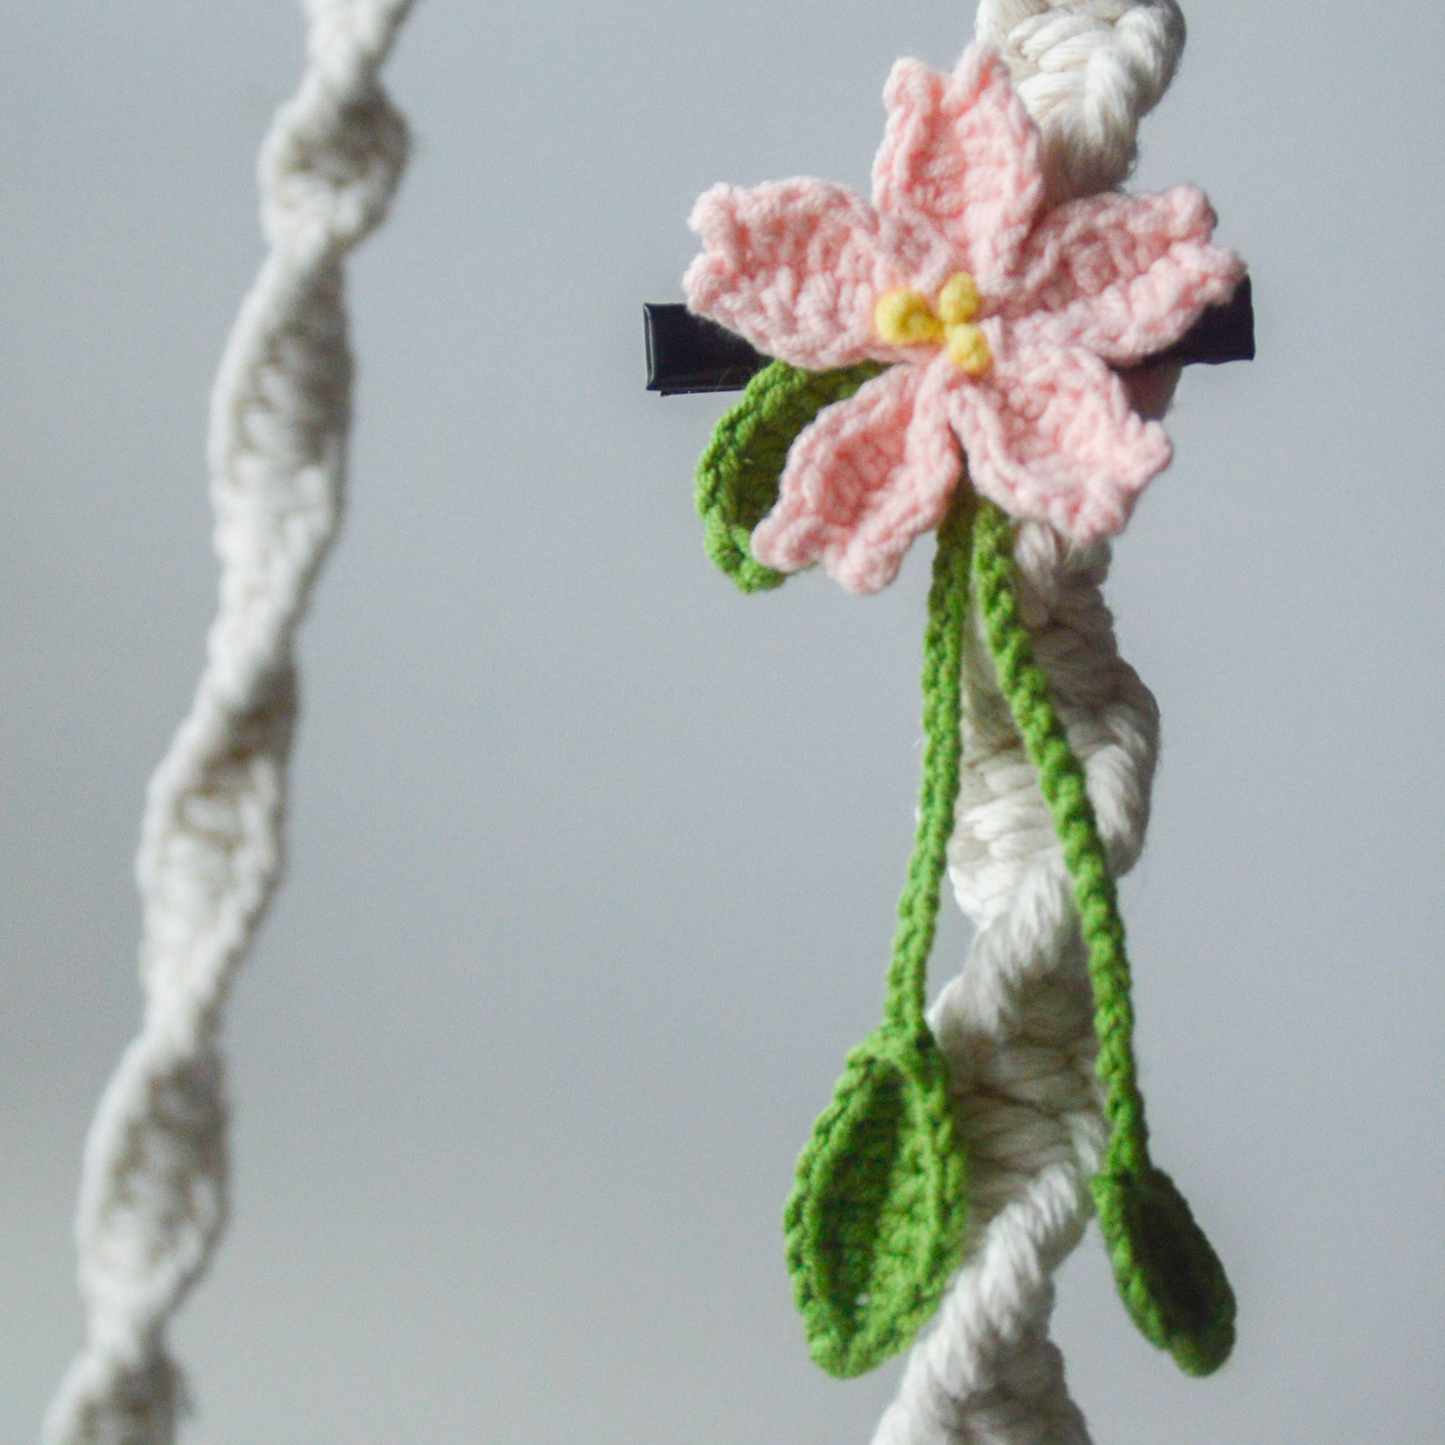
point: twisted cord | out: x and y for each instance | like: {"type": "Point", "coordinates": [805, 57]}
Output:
{"type": "Point", "coordinates": [1088, 71]}
{"type": "Point", "coordinates": [1017, 1025]}
{"type": "Point", "coordinates": [1168, 1274]}
{"type": "Point", "coordinates": [153, 1185]}
{"type": "Point", "coordinates": [1061, 781]}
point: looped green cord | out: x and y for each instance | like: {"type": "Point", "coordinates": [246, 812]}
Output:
{"type": "Point", "coordinates": [942, 756]}
{"type": "Point", "coordinates": [875, 1224]}
{"type": "Point", "coordinates": [1168, 1275]}
{"type": "Point", "coordinates": [737, 476]}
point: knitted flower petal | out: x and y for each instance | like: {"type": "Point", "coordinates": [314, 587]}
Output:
{"type": "Point", "coordinates": [794, 266]}
{"type": "Point", "coordinates": [1050, 435]}
{"type": "Point", "coordinates": [1123, 275]}
{"type": "Point", "coordinates": [865, 479]}
{"type": "Point", "coordinates": [958, 170]}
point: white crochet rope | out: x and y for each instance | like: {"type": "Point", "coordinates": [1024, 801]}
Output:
{"type": "Point", "coordinates": [1017, 1026]}
{"type": "Point", "coordinates": [153, 1186]}
{"type": "Point", "coordinates": [1088, 71]}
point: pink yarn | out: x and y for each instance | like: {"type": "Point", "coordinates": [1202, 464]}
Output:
{"type": "Point", "coordinates": [798, 268]}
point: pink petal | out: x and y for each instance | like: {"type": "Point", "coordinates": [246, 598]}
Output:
{"type": "Point", "coordinates": [958, 170]}
{"type": "Point", "coordinates": [865, 478]}
{"type": "Point", "coordinates": [1123, 275]}
{"type": "Point", "coordinates": [1049, 434]}
{"type": "Point", "coordinates": [796, 267]}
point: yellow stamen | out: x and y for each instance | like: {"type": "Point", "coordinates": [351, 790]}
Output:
{"type": "Point", "coordinates": [968, 349]}
{"type": "Point", "coordinates": [958, 301]}
{"type": "Point", "coordinates": [903, 318]}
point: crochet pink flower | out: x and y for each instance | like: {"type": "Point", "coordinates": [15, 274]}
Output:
{"type": "Point", "coordinates": [1001, 318]}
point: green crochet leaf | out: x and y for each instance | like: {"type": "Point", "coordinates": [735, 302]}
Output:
{"type": "Point", "coordinates": [1167, 1273]}
{"type": "Point", "coordinates": [737, 476]}
{"type": "Point", "coordinates": [875, 1224]}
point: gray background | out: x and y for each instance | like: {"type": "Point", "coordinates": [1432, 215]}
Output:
{"type": "Point", "coordinates": [594, 861]}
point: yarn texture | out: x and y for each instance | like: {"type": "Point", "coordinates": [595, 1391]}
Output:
{"type": "Point", "coordinates": [153, 1185]}
{"type": "Point", "coordinates": [1168, 1274]}
{"type": "Point", "coordinates": [1019, 372]}
{"type": "Point", "coordinates": [737, 476]}
{"type": "Point", "coordinates": [986, 220]}
{"type": "Point", "coordinates": [1088, 71]}
{"type": "Point", "coordinates": [875, 1223]}
{"type": "Point", "coordinates": [1016, 1025]}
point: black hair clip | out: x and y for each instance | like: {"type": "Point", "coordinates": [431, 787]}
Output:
{"type": "Point", "coordinates": [687, 353]}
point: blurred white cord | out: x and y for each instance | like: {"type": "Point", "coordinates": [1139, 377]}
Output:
{"type": "Point", "coordinates": [153, 1186]}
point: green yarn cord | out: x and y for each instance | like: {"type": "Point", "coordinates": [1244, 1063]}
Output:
{"type": "Point", "coordinates": [737, 476]}
{"type": "Point", "coordinates": [875, 1224]}
{"type": "Point", "coordinates": [1169, 1277]}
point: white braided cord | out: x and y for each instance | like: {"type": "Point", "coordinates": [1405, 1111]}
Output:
{"type": "Point", "coordinates": [1016, 1026]}
{"type": "Point", "coordinates": [153, 1186]}
{"type": "Point", "coordinates": [1088, 70]}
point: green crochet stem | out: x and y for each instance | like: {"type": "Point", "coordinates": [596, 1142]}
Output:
{"type": "Point", "coordinates": [1168, 1275]}
{"type": "Point", "coordinates": [942, 756]}
{"type": "Point", "coordinates": [875, 1224]}
{"type": "Point", "coordinates": [737, 476]}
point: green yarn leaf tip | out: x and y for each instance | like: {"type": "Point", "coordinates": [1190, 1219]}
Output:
{"type": "Point", "coordinates": [738, 473]}
{"type": "Point", "coordinates": [875, 1224]}
{"type": "Point", "coordinates": [1167, 1273]}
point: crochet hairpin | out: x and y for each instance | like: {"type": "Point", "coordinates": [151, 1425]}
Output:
{"type": "Point", "coordinates": [947, 357]}
{"type": "Point", "coordinates": [688, 353]}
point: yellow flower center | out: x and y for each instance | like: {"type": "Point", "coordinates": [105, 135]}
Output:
{"type": "Point", "coordinates": [904, 318]}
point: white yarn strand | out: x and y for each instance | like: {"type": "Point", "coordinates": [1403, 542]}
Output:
{"type": "Point", "coordinates": [1088, 71]}
{"type": "Point", "coordinates": [1016, 1026]}
{"type": "Point", "coordinates": [153, 1186]}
